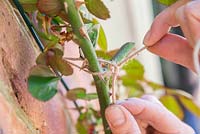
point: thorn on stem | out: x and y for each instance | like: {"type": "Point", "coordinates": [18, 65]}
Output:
{"type": "Point", "coordinates": [83, 32]}
{"type": "Point", "coordinates": [66, 7]}
{"type": "Point", "coordinates": [110, 94]}
{"type": "Point", "coordinates": [78, 3]}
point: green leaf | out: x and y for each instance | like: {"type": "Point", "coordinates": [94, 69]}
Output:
{"type": "Point", "coordinates": [93, 32]}
{"type": "Point", "coordinates": [102, 40]}
{"type": "Point", "coordinates": [106, 55]}
{"type": "Point", "coordinates": [172, 105]}
{"type": "Point", "coordinates": [48, 37]}
{"type": "Point", "coordinates": [88, 120]}
{"type": "Point", "coordinates": [128, 81]}
{"type": "Point", "coordinates": [134, 70]}
{"type": "Point", "coordinates": [135, 91]}
{"type": "Point", "coordinates": [97, 8]}
{"type": "Point", "coordinates": [103, 55]}
{"type": "Point", "coordinates": [43, 71]}
{"type": "Point", "coordinates": [190, 105]}
{"type": "Point", "coordinates": [48, 40]}
{"type": "Point", "coordinates": [41, 59]}
{"type": "Point", "coordinates": [186, 100]}
{"type": "Point", "coordinates": [57, 20]}
{"type": "Point", "coordinates": [123, 52]}
{"type": "Point", "coordinates": [167, 2]}
{"type": "Point", "coordinates": [113, 52]}
{"type": "Point", "coordinates": [85, 15]}
{"type": "Point", "coordinates": [42, 29]}
{"type": "Point", "coordinates": [76, 93]}
{"type": "Point", "coordinates": [29, 5]}
{"type": "Point", "coordinates": [83, 116]}
{"type": "Point", "coordinates": [90, 96]}
{"type": "Point", "coordinates": [84, 122]}
{"type": "Point", "coordinates": [81, 128]}
{"type": "Point", "coordinates": [42, 84]}
{"type": "Point", "coordinates": [80, 93]}
{"type": "Point", "coordinates": [28, 1]}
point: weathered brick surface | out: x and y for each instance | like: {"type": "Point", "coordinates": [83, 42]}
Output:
{"type": "Point", "coordinates": [19, 112]}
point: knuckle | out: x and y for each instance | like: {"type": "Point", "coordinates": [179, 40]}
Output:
{"type": "Point", "coordinates": [178, 13]}
{"type": "Point", "coordinates": [152, 98]}
{"type": "Point", "coordinates": [188, 9]}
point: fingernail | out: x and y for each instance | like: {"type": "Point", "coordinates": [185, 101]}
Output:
{"type": "Point", "coordinates": [115, 116]}
{"type": "Point", "coordinates": [147, 38]}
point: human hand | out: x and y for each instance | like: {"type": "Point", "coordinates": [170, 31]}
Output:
{"type": "Point", "coordinates": [172, 47]}
{"type": "Point", "coordinates": [144, 116]}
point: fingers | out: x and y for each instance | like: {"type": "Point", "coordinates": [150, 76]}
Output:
{"type": "Point", "coordinates": [162, 23]}
{"type": "Point", "coordinates": [154, 114]}
{"type": "Point", "coordinates": [181, 18]}
{"type": "Point", "coordinates": [184, 13]}
{"type": "Point", "coordinates": [171, 47]}
{"type": "Point", "coordinates": [174, 48]}
{"type": "Point", "coordinates": [127, 115]}
{"type": "Point", "coordinates": [151, 98]}
{"type": "Point", "coordinates": [192, 20]}
{"type": "Point", "coordinates": [121, 121]}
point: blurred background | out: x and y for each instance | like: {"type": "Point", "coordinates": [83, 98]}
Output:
{"type": "Point", "coordinates": [130, 20]}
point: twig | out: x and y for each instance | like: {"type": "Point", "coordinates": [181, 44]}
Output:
{"type": "Point", "coordinates": [77, 66]}
{"type": "Point", "coordinates": [131, 56]}
{"type": "Point", "coordinates": [107, 62]}
{"type": "Point", "coordinates": [115, 72]}
{"type": "Point", "coordinates": [73, 59]}
{"type": "Point", "coordinates": [88, 71]}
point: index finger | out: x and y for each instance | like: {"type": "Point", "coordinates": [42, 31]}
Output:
{"type": "Point", "coordinates": [162, 23]}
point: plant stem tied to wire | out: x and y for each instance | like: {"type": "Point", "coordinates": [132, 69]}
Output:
{"type": "Point", "coordinates": [85, 44]}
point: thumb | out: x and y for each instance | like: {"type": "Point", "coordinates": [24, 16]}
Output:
{"type": "Point", "coordinates": [121, 121]}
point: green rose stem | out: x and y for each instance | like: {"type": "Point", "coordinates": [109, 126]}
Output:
{"type": "Point", "coordinates": [81, 38]}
